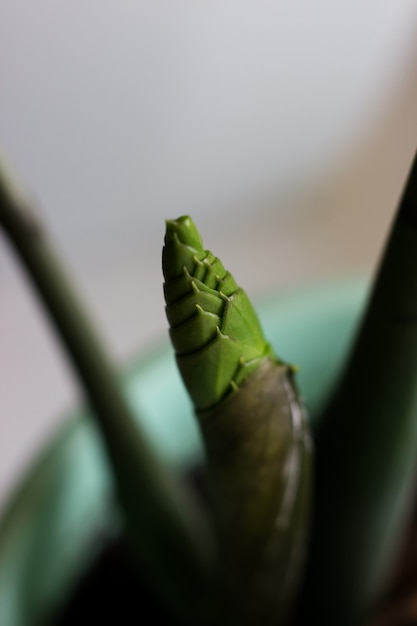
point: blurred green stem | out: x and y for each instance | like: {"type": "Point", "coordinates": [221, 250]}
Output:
{"type": "Point", "coordinates": [366, 442]}
{"type": "Point", "coordinates": [164, 523]}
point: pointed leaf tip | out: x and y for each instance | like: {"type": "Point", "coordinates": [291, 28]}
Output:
{"type": "Point", "coordinates": [184, 229]}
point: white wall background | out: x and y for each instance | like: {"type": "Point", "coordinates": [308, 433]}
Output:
{"type": "Point", "coordinates": [297, 117]}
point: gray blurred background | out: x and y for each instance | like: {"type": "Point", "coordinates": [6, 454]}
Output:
{"type": "Point", "coordinates": [285, 128]}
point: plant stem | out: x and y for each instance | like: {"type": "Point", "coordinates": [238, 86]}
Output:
{"type": "Point", "coordinates": [161, 516]}
{"type": "Point", "coordinates": [366, 442]}
{"type": "Point", "coordinates": [254, 428]}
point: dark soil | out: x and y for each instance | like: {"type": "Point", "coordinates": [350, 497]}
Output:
{"type": "Point", "coordinates": [111, 592]}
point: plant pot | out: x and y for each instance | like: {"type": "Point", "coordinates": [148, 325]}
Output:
{"type": "Point", "coordinates": [62, 524]}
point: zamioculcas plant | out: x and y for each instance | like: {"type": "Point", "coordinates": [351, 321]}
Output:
{"type": "Point", "coordinates": [248, 555]}
{"type": "Point", "coordinates": [254, 428]}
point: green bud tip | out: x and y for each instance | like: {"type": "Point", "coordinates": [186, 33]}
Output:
{"type": "Point", "coordinates": [184, 229]}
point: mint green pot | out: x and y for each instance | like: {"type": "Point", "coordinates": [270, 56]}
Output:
{"type": "Point", "coordinates": [48, 532]}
